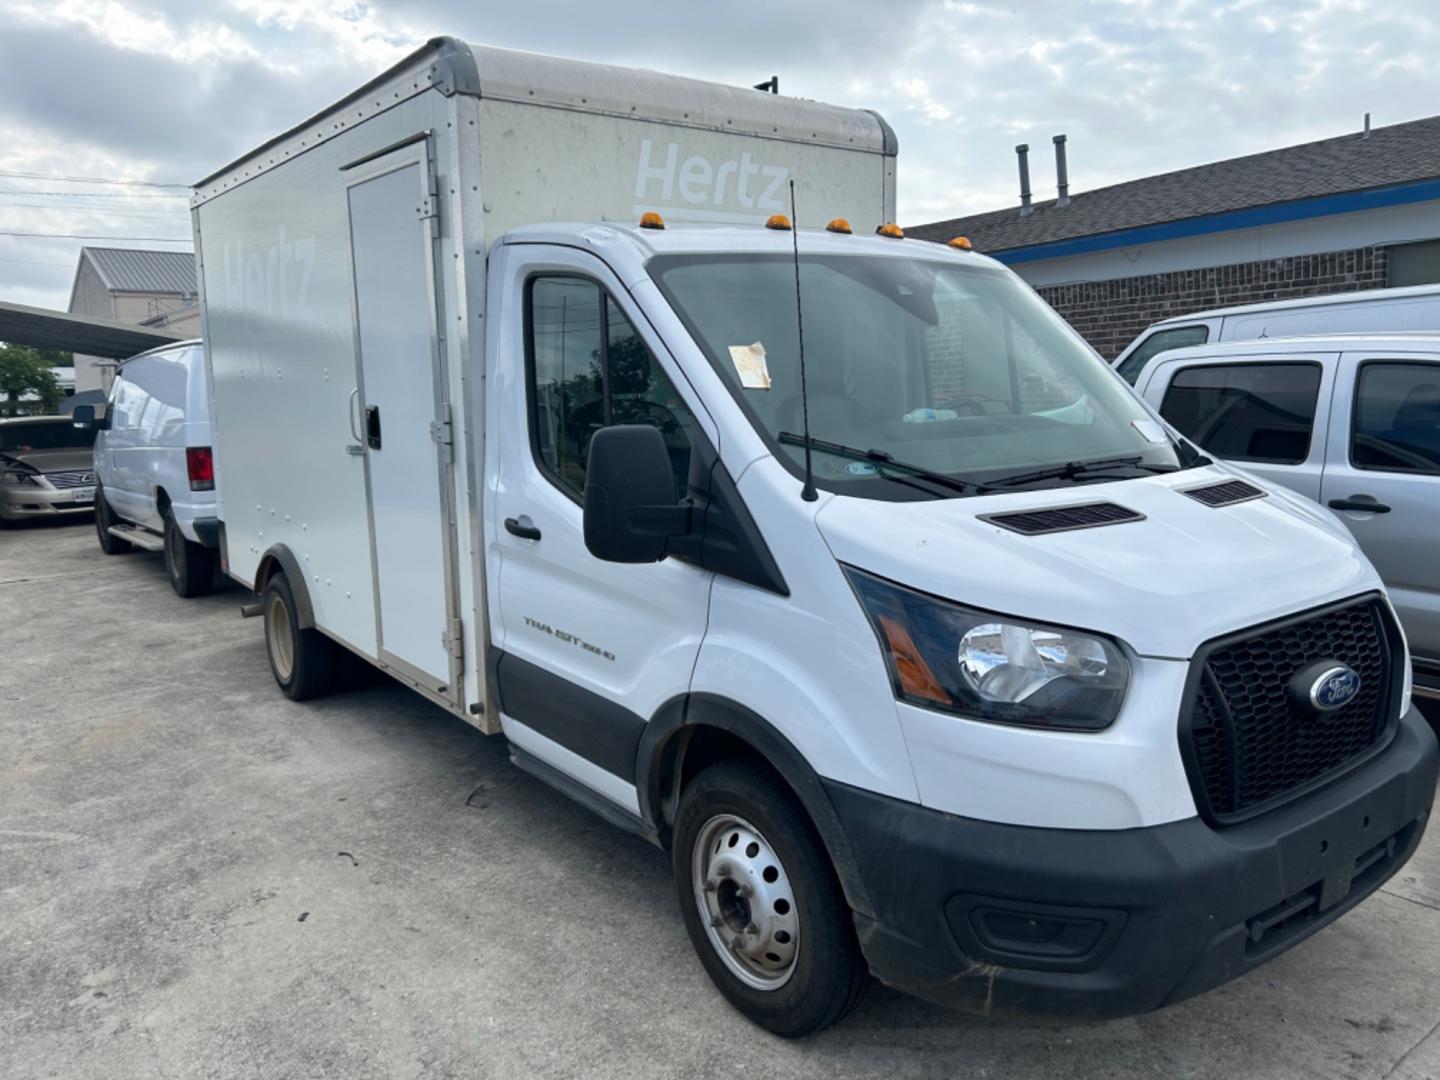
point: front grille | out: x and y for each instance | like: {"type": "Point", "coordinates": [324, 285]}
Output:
{"type": "Point", "coordinates": [1063, 518]}
{"type": "Point", "coordinates": [1249, 744]}
{"type": "Point", "coordinates": [71, 478]}
{"type": "Point", "coordinates": [1225, 493]}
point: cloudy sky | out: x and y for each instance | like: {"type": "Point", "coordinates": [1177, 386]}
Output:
{"type": "Point", "coordinates": [165, 91]}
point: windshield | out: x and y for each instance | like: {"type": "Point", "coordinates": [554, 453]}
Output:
{"type": "Point", "coordinates": [50, 435]}
{"type": "Point", "coordinates": [958, 370]}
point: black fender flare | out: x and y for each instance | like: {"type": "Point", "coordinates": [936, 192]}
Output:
{"type": "Point", "coordinates": [663, 743]}
{"type": "Point", "coordinates": [281, 558]}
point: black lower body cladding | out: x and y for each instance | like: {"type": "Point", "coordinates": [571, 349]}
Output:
{"type": "Point", "coordinates": [1003, 919]}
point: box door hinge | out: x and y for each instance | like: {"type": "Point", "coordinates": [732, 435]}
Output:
{"type": "Point", "coordinates": [441, 430]}
{"type": "Point", "coordinates": [454, 639]}
{"type": "Point", "coordinates": [429, 209]}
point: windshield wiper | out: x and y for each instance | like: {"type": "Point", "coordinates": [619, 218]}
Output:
{"type": "Point", "coordinates": [881, 459]}
{"type": "Point", "coordinates": [1073, 469]}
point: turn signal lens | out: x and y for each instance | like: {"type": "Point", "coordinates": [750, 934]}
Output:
{"type": "Point", "coordinates": [778, 221]}
{"type": "Point", "coordinates": [961, 242]}
{"type": "Point", "coordinates": [651, 220]}
{"type": "Point", "coordinates": [839, 225]}
{"type": "Point", "coordinates": [891, 230]}
{"type": "Point", "coordinates": [916, 678]}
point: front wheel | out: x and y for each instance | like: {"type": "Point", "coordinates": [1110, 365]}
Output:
{"type": "Point", "coordinates": [191, 566]}
{"type": "Point", "coordinates": [104, 518]}
{"type": "Point", "coordinates": [302, 660]}
{"type": "Point", "coordinates": [761, 902]}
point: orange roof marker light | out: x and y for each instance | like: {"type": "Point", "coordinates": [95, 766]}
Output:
{"type": "Point", "coordinates": [778, 221]}
{"type": "Point", "coordinates": [961, 242]}
{"type": "Point", "coordinates": [651, 220]}
{"type": "Point", "coordinates": [839, 225]}
{"type": "Point", "coordinates": [891, 230]}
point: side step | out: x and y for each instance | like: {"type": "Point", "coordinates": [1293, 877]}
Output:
{"type": "Point", "coordinates": [141, 538]}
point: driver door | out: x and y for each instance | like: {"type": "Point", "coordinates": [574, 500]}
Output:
{"type": "Point", "coordinates": [589, 650]}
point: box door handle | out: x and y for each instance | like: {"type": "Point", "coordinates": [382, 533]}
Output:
{"type": "Point", "coordinates": [1361, 502]}
{"type": "Point", "coordinates": [372, 426]}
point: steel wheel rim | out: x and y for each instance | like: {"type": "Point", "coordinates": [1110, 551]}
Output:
{"type": "Point", "coordinates": [746, 903]}
{"type": "Point", "coordinates": [277, 634]}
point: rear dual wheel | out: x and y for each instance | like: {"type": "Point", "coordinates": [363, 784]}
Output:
{"type": "Point", "coordinates": [301, 659]}
{"type": "Point", "coordinates": [191, 566]}
{"type": "Point", "coordinates": [761, 902]}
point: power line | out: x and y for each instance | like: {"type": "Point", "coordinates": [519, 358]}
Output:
{"type": "Point", "coordinates": [78, 236]}
{"type": "Point", "coordinates": [91, 180]}
{"type": "Point", "coordinates": [107, 211]}
{"type": "Point", "coordinates": [90, 194]}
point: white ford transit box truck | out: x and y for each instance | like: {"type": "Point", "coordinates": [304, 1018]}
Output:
{"type": "Point", "coordinates": [925, 649]}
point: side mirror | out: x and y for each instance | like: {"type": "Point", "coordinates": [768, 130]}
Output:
{"type": "Point", "coordinates": [630, 510]}
{"type": "Point", "coordinates": [85, 418]}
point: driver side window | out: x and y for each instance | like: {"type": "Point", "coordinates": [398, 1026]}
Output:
{"type": "Point", "coordinates": [589, 368]}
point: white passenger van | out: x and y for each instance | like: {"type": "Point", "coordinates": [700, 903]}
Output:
{"type": "Point", "coordinates": [155, 477]}
{"type": "Point", "coordinates": [1349, 420]}
{"type": "Point", "coordinates": [1414, 307]}
{"type": "Point", "coordinates": [926, 651]}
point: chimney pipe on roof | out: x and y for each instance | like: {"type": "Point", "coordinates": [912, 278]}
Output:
{"type": "Point", "coordinates": [1023, 153]}
{"type": "Point", "coordinates": [1062, 175]}
{"type": "Point", "coordinates": [1367, 127]}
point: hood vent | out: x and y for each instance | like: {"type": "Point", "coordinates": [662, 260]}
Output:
{"type": "Point", "coordinates": [1226, 493]}
{"type": "Point", "coordinates": [1063, 518]}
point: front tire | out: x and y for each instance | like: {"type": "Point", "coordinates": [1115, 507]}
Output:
{"type": "Point", "coordinates": [110, 544]}
{"type": "Point", "coordinates": [302, 661]}
{"type": "Point", "coordinates": [761, 902]}
{"type": "Point", "coordinates": [191, 566]}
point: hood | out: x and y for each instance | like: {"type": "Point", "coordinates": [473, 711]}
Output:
{"type": "Point", "coordinates": [1165, 585]}
{"type": "Point", "coordinates": [76, 457]}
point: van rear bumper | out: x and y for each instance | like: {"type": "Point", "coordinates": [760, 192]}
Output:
{"type": "Point", "coordinates": [1003, 919]}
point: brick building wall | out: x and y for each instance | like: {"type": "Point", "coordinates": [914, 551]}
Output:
{"type": "Point", "coordinates": [1109, 314]}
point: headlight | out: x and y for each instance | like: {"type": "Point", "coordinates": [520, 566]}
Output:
{"type": "Point", "coordinates": [16, 478]}
{"type": "Point", "coordinates": [976, 664]}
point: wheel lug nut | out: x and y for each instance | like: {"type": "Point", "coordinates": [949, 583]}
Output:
{"type": "Point", "coordinates": [711, 885]}
{"type": "Point", "coordinates": [716, 921]}
{"type": "Point", "coordinates": [752, 929]}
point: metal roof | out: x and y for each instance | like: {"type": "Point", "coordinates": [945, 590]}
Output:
{"type": "Point", "coordinates": [453, 67]}
{"type": "Point", "coordinates": [1386, 157]}
{"type": "Point", "coordinates": [84, 334]}
{"type": "Point", "coordinates": [143, 271]}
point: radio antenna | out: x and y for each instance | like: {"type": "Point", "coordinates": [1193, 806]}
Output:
{"type": "Point", "coordinates": [808, 492]}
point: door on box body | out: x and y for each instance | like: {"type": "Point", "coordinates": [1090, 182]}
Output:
{"type": "Point", "coordinates": [398, 413]}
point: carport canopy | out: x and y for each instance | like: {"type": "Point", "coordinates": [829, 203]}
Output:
{"type": "Point", "coordinates": [43, 328]}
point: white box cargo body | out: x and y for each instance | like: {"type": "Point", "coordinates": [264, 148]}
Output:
{"type": "Point", "coordinates": [342, 268]}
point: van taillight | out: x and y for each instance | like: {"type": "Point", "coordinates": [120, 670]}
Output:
{"type": "Point", "coordinates": [201, 467]}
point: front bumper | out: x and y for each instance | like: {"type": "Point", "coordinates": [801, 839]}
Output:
{"type": "Point", "coordinates": [22, 503]}
{"type": "Point", "coordinates": [1012, 919]}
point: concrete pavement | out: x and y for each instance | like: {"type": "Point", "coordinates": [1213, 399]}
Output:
{"type": "Point", "coordinates": [199, 877]}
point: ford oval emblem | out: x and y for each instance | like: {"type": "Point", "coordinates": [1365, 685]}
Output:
{"type": "Point", "coordinates": [1335, 688]}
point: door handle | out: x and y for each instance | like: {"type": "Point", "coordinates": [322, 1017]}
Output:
{"type": "Point", "coordinates": [522, 527]}
{"type": "Point", "coordinates": [372, 426]}
{"type": "Point", "coordinates": [1365, 504]}
{"type": "Point", "coordinates": [352, 414]}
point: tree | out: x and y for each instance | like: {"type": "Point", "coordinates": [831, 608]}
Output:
{"type": "Point", "coordinates": [26, 371]}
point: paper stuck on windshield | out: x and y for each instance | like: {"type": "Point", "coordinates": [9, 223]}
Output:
{"type": "Point", "coordinates": [749, 361]}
